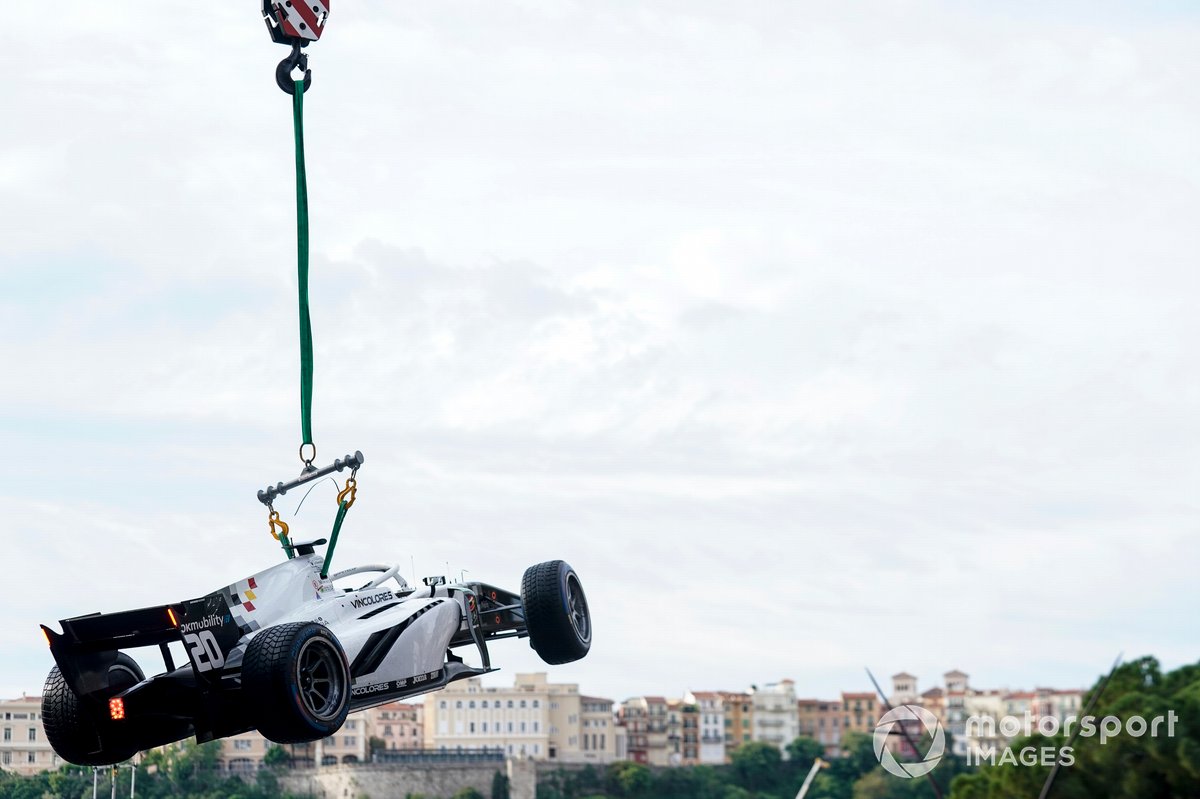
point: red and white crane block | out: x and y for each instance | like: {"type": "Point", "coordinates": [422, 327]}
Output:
{"type": "Point", "coordinates": [298, 20]}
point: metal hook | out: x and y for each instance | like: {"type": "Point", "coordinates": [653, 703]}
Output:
{"type": "Point", "coordinates": [348, 493]}
{"type": "Point", "coordinates": [279, 528]}
{"type": "Point", "coordinates": [283, 72]}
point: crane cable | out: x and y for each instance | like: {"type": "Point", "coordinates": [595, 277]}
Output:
{"type": "Point", "coordinates": [346, 496]}
{"type": "Point", "coordinates": [306, 348]}
{"type": "Point", "coordinates": [293, 25]}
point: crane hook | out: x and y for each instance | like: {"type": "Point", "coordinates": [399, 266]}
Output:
{"type": "Point", "coordinates": [283, 72]}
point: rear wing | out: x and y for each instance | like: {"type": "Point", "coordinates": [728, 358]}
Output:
{"type": "Point", "coordinates": [88, 645]}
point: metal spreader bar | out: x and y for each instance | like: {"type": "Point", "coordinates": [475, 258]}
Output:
{"type": "Point", "coordinates": [268, 494]}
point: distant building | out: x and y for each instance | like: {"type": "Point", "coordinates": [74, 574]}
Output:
{"type": "Point", "coordinates": [597, 741]}
{"type": "Point", "coordinates": [776, 717]}
{"type": "Point", "coordinates": [860, 712]}
{"type": "Point", "coordinates": [1058, 704]}
{"type": "Point", "coordinates": [955, 720]}
{"type": "Point", "coordinates": [904, 689]}
{"type": "Point", "coordinates": [621, 741]}
{"type": "Point", "coordinates": [738, 710]}
{"type": "Point", "coordinates": [934, 700]}
{"type": "Point", "coordinates": [712, 725]}
{"type": "Point", "coordinates": [535, 719]}
{"type": "Point", "coordinates": [634, 719]}
{"type": "Point", "coordinates": [971, 717]}
{"type": "Point", "coordinates": [23, 745]}
{"type": "Point", "coordinates": [398, 725]}
{"type": "Point", "coordinates": [683, 733]}
{"type": "Point", "coordinates": [350, 744]}
{"type": "Point", "coordinates": [821, 720]}
{"type": "Point", "coordinates": [645, 721]}
{"type": "Point", "coordinates": [244, 753]}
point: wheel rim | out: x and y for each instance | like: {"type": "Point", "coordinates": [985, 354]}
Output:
{"type": "Point", "coordinates": [319, 678]}
{"type": "Point", "coordinates": [577, 609]}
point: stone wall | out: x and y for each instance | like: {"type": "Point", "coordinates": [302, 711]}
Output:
{"type": "Point", "coordinates": [396, 781]}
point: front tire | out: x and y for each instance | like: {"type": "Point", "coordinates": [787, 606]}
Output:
{"type": "Point", "coordinates": [78, 732]}
{"type": "Point", "coordinates": [556, 612]}
{"type": "Point", "coordinates": [297, 682]}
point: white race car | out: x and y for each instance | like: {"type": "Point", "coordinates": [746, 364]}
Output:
{"type": "Point", "coordinates": [288, 653]}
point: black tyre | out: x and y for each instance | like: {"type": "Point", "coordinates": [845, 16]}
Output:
{"type": "Point", "coordinates": [80, 732]}
{"type": "Point", "coordinates": [556, 612]}
{"type": "Point", "coordinates": [297, 682]}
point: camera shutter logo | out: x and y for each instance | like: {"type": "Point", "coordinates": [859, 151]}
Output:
{"type": "Point", "coordinates": [900, 715]}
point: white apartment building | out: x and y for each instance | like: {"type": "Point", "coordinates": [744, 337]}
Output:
{"type": "Point", "coordinates": [712, 725]}
{"type": "Point", "coordinates": [776, 714]}
{"type": "Point", "coordinates": [534, 718]}
{"type": "Point", "coordinates": [23, 745]}
{"type": "Point", "coordinates": [597, 730]}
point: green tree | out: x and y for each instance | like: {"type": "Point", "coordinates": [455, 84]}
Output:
{"type": "Point", "coordinates": [803, 751]}
{"type": "Point", "coordinates": [628, 779]}
{"type": "Point", "coordinates": [70, 781]}
{"type": "Point", "coordinates": [875, 785]}
{"type": "Point", "coordinates": [499, 786]}
{"type": "Point", "coordinates": [756, 765]}
{"type": "Point", "coordinates": [1125, 766]}
{"type": "Point", "coordinates": [277, 757]}
{"type": "Point", "coordinates": [375, 744]}
{"type": "Point", "coordinates": [468, 793]}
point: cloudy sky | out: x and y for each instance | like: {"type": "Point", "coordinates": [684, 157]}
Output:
{"type": "Point", "coordinates": [815, 336]}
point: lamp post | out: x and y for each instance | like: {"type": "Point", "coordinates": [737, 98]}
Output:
{"type": "Point", "coordinates": [115, 769]}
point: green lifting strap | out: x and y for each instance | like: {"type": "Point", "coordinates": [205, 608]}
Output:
{"type": "Point", "coordinates": [333, 537]}
{"type": "Point", "coordinates": [306, 348]}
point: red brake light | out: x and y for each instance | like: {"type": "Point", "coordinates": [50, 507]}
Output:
{"type": "Point", "coordinates": [116, 708]}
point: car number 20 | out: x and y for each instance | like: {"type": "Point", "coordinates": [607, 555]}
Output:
{"type": "Point", "coordinates": [205, 651]}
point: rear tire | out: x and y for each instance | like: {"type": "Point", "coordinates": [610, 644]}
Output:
{"type": "Point", "coordinates": [78, 732]}
{"type": "Point", "coordinates": [297, 682]}
{"type": "Point", "coordinates": [556, 612]}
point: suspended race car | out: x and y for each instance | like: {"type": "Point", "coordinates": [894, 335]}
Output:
{"type": "Point", "coordinates": [290, 654]}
